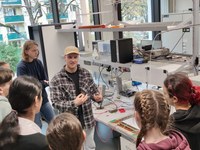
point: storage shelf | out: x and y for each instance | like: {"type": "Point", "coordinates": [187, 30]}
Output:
{"type": "Point", "coordinates": [156, 26]}
{"type": "Point", "coordinates": [105, 60]}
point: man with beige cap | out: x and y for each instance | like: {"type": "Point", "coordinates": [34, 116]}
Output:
{"type": "Point", "coordinates": [72, 90]}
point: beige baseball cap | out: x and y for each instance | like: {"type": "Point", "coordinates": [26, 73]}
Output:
{"type": "Point", "coordinates": [70, 50]}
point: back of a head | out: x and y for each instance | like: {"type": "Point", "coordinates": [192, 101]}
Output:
{"type": "Point", "coordinates": [5, 75]}
{"type": "Point", "coordinates": [153, 110]}
{"type": "Point", "coordinates": [65, 133]}
{"type": "Point", "coordinates": [22, 93]}
{"type": "Point", "coordinates": [180, 85]}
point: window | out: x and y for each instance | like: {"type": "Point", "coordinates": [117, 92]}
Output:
{"type": "Point", "coordinates": [137, 11]}
{"type": "Point", "coordinates": [15, 43]}
{"type": "Point", "coordinates": [9, 30]}
{"type": "Point", "coordinates": [67, 10]}
{"type": "Point", "coordinates": [73, 7]}
{"type": "Point", "coordinates": [9, 11]}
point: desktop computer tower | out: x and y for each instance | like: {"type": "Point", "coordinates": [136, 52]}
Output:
{"type": "Point", "coordinates": [121, 50]}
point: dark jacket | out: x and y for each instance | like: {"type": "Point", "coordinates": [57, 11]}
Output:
{"type": "Point", "coordinates": [34, 69]}
{"type": "Point", "coordinates": [176, 141]}
{"type": "Point", "coordinates": [188, 123]}
{"type": "Point", "coordinates": [29, 137]}
{"type": "Point", "coordinates": [32, 142]}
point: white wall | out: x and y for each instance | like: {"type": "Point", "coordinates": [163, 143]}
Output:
{"type": "Point", "coordinates": [164, 6]}
{"type": "Point", "coordinates": [54, 44]}
{"type": "Point", "coordinates": [183, 5]}
{"type": "Point", "coordinates": [180, 6]}
{"type": "Point", "coordinates": [169, 39]}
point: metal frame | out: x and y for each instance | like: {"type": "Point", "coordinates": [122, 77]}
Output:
{"type": "Point", "coordinates": [156, 16]}
{"type": "Point", "coordinates": [195, 44]}
{"type": "Point", "coordinates": [55, 12]}
{"type": "Point", "coordinates": [95, 8]}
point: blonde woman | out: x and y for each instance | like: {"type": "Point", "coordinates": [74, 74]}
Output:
{"type": "Point", "coordinates": [30, 65]}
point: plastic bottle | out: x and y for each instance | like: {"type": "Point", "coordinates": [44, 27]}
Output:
{"type": "Point", "coordinates": [95, 53]}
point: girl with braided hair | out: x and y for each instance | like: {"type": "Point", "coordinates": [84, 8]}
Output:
{"type": "Point", "coordinates": [152, 117]}
{"type": "Point", "coordinates": [185, 97]}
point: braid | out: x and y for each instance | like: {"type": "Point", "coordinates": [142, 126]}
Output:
{"type": "Point", "coordinates": [143, 130]}
{"type": "Point", "coordinates": [146, 112]}
{"type": "Point", "coordinates": [162, 118]}
{"type": "Point", "coordinates": [153, 110]}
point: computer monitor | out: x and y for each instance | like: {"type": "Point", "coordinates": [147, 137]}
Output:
{"type": "Point", "coordinates": [121, 50]}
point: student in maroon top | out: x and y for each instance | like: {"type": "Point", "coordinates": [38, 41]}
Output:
{"type": "Point", "coordinates": [185, 97]}
{"type": "Point", "coordinates": [152, 117]}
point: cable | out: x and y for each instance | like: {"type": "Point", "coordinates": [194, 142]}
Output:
{"type": "Point", "coordinates": [177, 42]}
{"type": "Point", "coordinates": [137, 87]}
{"type": "Point", "coordinates": [127, 103]}
{"type": "Point", "coordinates": [120, 73]}
{"type": "Point", "coordinates": [108, 95]}
{"type": "Point", "coordinates": [114, 104]}
{"type": "Point", "coordinates": [101, 112]}
{"type": "Point", "coordinates": [100, 75]}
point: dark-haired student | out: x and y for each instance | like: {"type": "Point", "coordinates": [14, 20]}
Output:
{"type": "Point", "coordinates": [152, 117]}
{"type": "Point", "coordinates": [18, 130]}
{"type": "Point", "coordinates": [5, 81]}
{"type": "Point", "coordinates": [185, 97]}
{"type": "Point", "coordinates": [65, 133]}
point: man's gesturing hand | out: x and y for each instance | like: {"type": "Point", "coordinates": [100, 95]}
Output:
{"type": "Point", "coordinates": [80, 99]}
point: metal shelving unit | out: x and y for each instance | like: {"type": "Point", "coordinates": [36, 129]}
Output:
{"type": "Point", "coordinates": [156, 26]}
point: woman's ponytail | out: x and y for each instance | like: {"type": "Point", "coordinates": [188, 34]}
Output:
{"type": "Point", "coordinates": [9, 130]}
